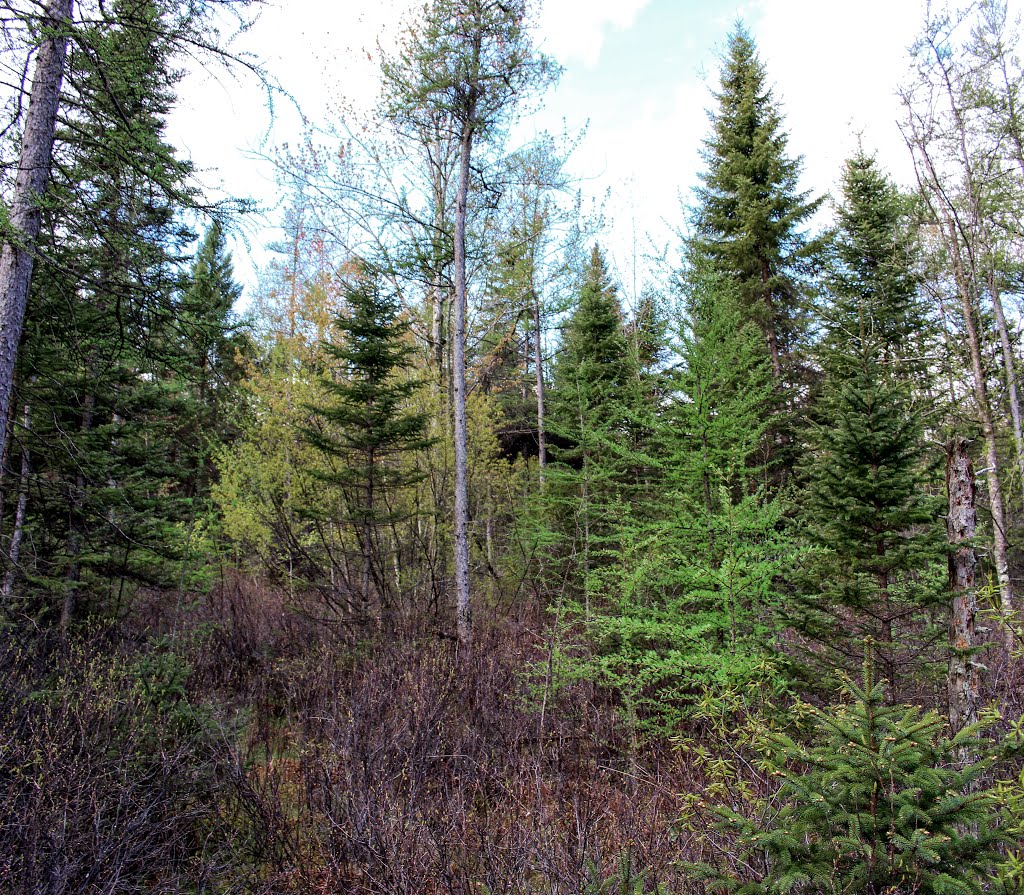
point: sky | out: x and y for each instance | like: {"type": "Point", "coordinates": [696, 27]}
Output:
{"type": "Point", "coordinates": [637, 77]}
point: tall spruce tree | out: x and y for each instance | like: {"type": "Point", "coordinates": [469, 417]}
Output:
{"type": "Point", "coordinates": [214, 345]}
{"type": "Point", "coordinates": [751, 218]}
{"type": "Point", "coordinates": [366, 430]}
{"type": "Point", "coordinates": [871, 508]}
{"type": "Point", "coordinates": [101, 359]}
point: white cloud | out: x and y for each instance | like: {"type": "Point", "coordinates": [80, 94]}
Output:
{"type": "Point", "coordinates": [574, 30]}
{"type": "Point", "coordinates": [837, 69]}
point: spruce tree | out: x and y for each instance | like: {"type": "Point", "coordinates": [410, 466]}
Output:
{"type": "Point", "coordinates": [503, 335]}
{"type": "Point", "coordinates": [367, 432]}
{"type": "Point", "coordinates": [751, 219]}
{"type": "Point", "coordinates": [870, 507]}
{"type": "Point", "coordinates": [214, 345]}
{"type": "Point", "coordinates": [102, 353]}
{"type": "Point", "coordinates": [693, 613]}
{"type": "Point", "coordinates": [591, 422]}
{"type": "Point", "coordinates": [876, 804]}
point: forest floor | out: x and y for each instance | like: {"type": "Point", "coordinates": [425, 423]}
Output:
{"type": "Point", "coordinates": [247, 748]}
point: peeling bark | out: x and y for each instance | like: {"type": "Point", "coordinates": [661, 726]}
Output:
{"type": "Point", "coordinates": [964, 677]}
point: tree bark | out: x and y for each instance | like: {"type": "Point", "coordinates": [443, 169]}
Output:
{"type": "Point", "coordinates": [1009, 369]}
{"type": "Point", "coordinates": [463, 608]}
{"type": "Point", "coordinates": [1000, 546]}
{"type": "Point", "coordinates": [964, 679]}
{"type": "Point", "coordinates": [538, 363]}
{"type": "Point", "coordinates": [17, 256]}
{"type": "Point", "coordinates": [18, 533]}
{"type": "Point", "coordinates": [968, 280]}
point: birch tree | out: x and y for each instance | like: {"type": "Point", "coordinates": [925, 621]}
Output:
{"type": "Point", "coordinates": [471, 61]}
{"type": "Point", "coordinates": [964, 678]}
{"type": "Point", "coordinates": [954, 166]}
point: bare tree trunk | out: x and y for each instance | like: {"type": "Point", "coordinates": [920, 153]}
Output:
{"type": "Point", "coordinates": [17, 256]}
{"type": "Point", "coordinates": [437, 314]}
{"type": "Point", "coordinates": [968, 280]}
{"type": "Point", "coordinates": [1000, 546]}
{"type": "Point", "coordinates": [964, 680]}
{"type": "Point", "coordinates": [463, 609]}
{"type": "Point", "coordinates": [1010, 372]}
{"type": "Point", "coordinates": [18, 533]}
{"type": "Point", "coordinates": [76, 532]}
{"type": "Point", "coordinates": [538, 363]}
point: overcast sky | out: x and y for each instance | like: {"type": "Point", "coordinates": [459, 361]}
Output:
{"type": "Point", "coordinates": [638, 74]}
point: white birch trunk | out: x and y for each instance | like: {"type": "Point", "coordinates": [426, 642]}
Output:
{"type": "Point", "coordinates": [463, 608]}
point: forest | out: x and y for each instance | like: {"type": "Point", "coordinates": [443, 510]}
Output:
{"type": "Point", "coordinates": [444, 561]}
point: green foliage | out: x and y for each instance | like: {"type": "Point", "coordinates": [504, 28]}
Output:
{"type": "Point", "coordinates": [366, 422]}
{"type": "Point", "coordinates": [876, 804]}
{"type": "Point", "coordinates": [596, 412]}
{"type": "Point", "coordinates": [626, 880]}
{"type": "Point", "coordinates": [750, 216]}
{"type": "Point", "coordinates": [215, 344]}
{"type": "Point", "coordinates": [103, 367]}
{"type": "Point", "coordinates": [870, 509]}
{"type": "Point", "coordinates": [682, 583]}
{"type": "Point", "coordinates": [466, 60]}
{"type": "Point", "coordinates": [364, 428]}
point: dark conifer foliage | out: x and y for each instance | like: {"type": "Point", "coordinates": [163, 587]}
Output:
{"type": "Point", "coordinates": [215, 344]}
{"type": "Point", "coordinates": [752, 218]}
{"type": "Point", "coordinates": [103, 366]}
{"type": "Point", "coordinates": [672, 520]}
{"type": "Point", "coordinates": [369, 435]}
{"type": "Point", "coordinates": [871, 510]}
{"type": "Point", "coordinates": [592, 420]}
{"type": "Point", "coordinates": [874, 804]}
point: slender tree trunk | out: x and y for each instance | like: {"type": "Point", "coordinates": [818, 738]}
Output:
{"type": "Point", "coordinates": [437, 314]}
{"type": "Point", "coordinates": [538, 363]}
{"type": "Point", "coordinates": [18, 533]}
{"type": "Point", "coordinates": [968, 279]}
{"type": "Point", "coordinates": [17, 257]}
{"type": "Point", "coordinates": [1000, 546]}
{"type": "Point", "coordinates": [76, 531]}
{"type": "Point", "coordinates": [771, 337]}
{"type": "Point", "coordinates": [463, 609]}
{"type": "Point", "coordinates": [1009, 369]}
{"type": "Point", "coordinates": [964, 680]}
{"type": "Point", "coordinates": [367, 545]}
